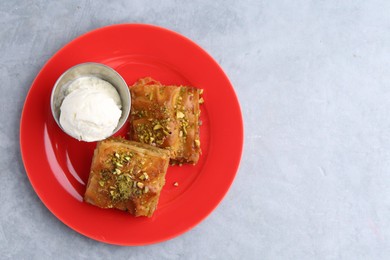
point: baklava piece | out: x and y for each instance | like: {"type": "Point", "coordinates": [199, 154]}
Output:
{"type": "Point", "coordinates": [127, 175]}
{"type": "Point", "coordinates": [166, 117]}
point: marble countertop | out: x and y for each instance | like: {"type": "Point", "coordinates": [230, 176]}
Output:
{"type": "Point", "coordinates": [313, 80]}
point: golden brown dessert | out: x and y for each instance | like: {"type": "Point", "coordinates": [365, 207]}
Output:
{"type": "Point", "coordinates": [127, 175]}
{"type": "Point", "coordinates": [166, 117]}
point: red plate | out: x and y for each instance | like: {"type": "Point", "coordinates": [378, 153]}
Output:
{"type": "Point", "coordinates": [58, 166]}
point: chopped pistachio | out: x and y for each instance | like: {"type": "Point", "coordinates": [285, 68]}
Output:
{"type": "Point", "coordinates": [201, 91]}
{"type": "Point", "coordinates": [146, 176]}
{"type": "Point", "coordinates": [117, 171]}
{"type": "Point", "coordinates": [142, 177]}
{"type": "Point", "coordinates": [197, 143]}
{"type": "Point", "coordinates": [119, 164]}
{"type": "Point", "coordinates": [117, 155]}
{"type": "Point", "coordinates": [179, 114]}
{"type": "Point", "coordinates": [176, 184]}
{"type": "Point", "coordinates": [127, 158]}
{"type": "Point", "coordinates": [140, 185]}
{"type": "Point", "coordinates": [181, 133]}
{"type": "Point", "coordinates": [101, 183]}
{"type": "Point", "coordinates": [201, 100]}
{"type": "Point", "coordinates": [146, 190]}
{"type": "Point", "coordinates": [156, 127]}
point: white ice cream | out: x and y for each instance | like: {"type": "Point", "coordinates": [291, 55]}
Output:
{"type": "Point", "coordinates": [91, 109]}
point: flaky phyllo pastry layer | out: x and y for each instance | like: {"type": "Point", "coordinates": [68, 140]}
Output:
{"type": "Point", "coordinates": [127, 175]}
{"type": "Point", "coordinates": [167, 117]}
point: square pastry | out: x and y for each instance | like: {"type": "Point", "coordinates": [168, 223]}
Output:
{"type": "Point", "coordinates": [127, 175]}
{"type": "Point", "coordinates": [166, 117]}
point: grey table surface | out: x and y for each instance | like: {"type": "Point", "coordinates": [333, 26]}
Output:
{"type": "Point", "coordinates": [313, 80]}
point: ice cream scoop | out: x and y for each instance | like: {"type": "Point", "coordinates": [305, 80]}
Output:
{"type": "Point", "coordinates": [90, 102]}
{"type": "Point", "coordinates": [91, 109]}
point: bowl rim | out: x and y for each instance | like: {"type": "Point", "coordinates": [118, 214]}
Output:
{"type": "Point", "coordinates": [124, 117]}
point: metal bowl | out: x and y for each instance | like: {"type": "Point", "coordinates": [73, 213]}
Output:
{"type": "Point", "coordinates": [90, 69]}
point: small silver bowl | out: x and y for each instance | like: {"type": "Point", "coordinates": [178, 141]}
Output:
{"type": "Point", "coordinates": [90, 69]}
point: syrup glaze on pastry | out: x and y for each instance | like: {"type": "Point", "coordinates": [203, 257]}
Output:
{"type": "Point", "coordinates": [127, 175]}
{"type": "Point", "coordinates": [167, 117]}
